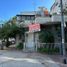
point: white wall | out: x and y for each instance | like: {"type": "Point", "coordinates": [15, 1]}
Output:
{"type": "Point", "coordinates": [57, 18]}
{"type": "Point", "coordinates": [56, 8]}
{"type": "Point", "coordinates": [42, 20]}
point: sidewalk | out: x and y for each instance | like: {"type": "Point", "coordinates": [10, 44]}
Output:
{"type": "Point", "coordinates": [49, 60]}
{"type": "Point", "coordinates": [44, 59]}
{"type": "Point", "coordinates": [58, 59]}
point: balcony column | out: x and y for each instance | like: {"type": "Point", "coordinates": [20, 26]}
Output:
{"type": "Point", "coordinates": [36, 40]}
{"type": "Point", "coordinates": [55, 36]}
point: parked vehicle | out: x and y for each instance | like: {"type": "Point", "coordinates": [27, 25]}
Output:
{"type": "Point", "coordinates": [12, 40]}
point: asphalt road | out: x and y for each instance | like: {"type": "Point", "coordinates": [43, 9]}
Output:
{"type": "Point", "coordinates": [10, 58]}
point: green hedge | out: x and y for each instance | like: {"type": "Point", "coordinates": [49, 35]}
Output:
{"type": "Point", "coordinates": [42, 49]}
{"type": "Point", "coordinates": [19, 46]}
{"type": "Point", "coordinates": [47, 50]}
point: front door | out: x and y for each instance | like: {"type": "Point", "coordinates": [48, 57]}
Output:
{"type": "Point", "coordinates": [30, 44]}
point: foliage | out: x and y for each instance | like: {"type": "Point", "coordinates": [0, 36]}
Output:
{"type": "Point", "coordinates": [54, 14]}
{"type": "Point", "coordinates": [7, 44]}
{"type": "Point", "coordinates": [19, 46]}
{"type": "Point", "coordinates": [4, 32]}
{"type": "Point", "coordinates": [46, 36]}
{"type": "Point", "coordinates": [66, 33]}
{"type": "Point", "coordinates": [47, 50]}
{"type": "Point", "coordinates": [43, 50]}
{"type": "Point", "coordinates": [10, 29]}
{"type": "Point", "coordinates": [16, 30]}
{"type": "Point", "coordinates": [65, 12]}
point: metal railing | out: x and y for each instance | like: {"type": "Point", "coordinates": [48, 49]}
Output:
{"type": "Point", "coordinates": [51, 46]}
{"type": "Point", "coordinates": [48, 44]}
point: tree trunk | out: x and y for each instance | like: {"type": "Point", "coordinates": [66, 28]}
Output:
{"type": "Point", "coordinates": [7, 43]}
{"type": "Point", "coordinates": [1, 45]}
{"type": "Point", "coordinates": [17, 39]}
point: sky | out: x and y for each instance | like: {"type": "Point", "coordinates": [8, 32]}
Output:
{"type": "Point", "coordinates": [9, 8]}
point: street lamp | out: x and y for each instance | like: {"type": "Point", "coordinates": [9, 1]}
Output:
{"type": "Point", "coordinates": [62, 32]}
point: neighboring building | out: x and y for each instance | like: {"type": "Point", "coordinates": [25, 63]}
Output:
{"type": "Point", "coordinates": [55, 9]}
{"type": "Point", "coordinates": [45, 20]}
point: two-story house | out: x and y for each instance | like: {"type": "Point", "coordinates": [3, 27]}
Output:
{"type": "Point", "coordinates": [46, 21]}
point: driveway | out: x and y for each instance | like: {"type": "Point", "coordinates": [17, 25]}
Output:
{"type": "Point", "coordinates": [21, 59]}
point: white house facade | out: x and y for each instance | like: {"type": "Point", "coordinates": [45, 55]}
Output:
{"type": "Point", "coordinates": [35, 17]}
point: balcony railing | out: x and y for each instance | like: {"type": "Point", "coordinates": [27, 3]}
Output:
{"type": "Point", "coordinates": [42, 20]}
{"type": "Point", "coordinates": [57, 18]}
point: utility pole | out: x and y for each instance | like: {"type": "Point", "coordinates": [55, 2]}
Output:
{"type": "Point", "coordinates": [34, 6]}
{"type": "Point", "coordinates": [62, 33]}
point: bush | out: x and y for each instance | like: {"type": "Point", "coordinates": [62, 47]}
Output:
{"type": "Point", "coordinates": [19, 46]}
{"type": "Point", "coordinates": [46, 36]}
{"type": "Point", "coordinates": [56, 49]}
{"type": "Point", "coordinates": [47, 50]}
{"type": "Point", "coordinates": [43, 50]}
{"type": "Point", "coordinates": [8, 44]}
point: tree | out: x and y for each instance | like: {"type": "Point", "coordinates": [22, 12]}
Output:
{"type": "Point", "coordinates": [4, 32]}
{"type": "Point", "coordinates": [10, 29]}
{"type": "Point", "coordinates": [46, 36]}
{"type": "Point", "coordinates": [65, 11]}
{"type": "Point", "coordinates": [17, 32]}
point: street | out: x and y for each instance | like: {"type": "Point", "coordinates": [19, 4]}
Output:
{"type": "Point", "coordinates": [21, 59]}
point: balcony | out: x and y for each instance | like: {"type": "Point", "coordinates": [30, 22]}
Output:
{"type": "Point", "coordinates": [57, 18]}
{"type": "Point", "coordinates": [26, 23]}
{"type": "Point", "coordinates": [54, 19]}
{"type": "Point", "coordinates": [43, 20]}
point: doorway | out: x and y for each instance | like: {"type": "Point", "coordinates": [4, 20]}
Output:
{"type": "Point", "coordinates": [29, 41]}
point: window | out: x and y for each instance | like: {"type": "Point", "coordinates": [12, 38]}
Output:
{"type": "Point", "coordinates": [23, 17]}
{"type": "Point", "coordinates": [32, 17]}
{"type": "Point", "coordinates": [56, 4]}
{"type": "Point", "coordinates": [20, 18]}
{"type": "Point", "coordinates": [28, 18]}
